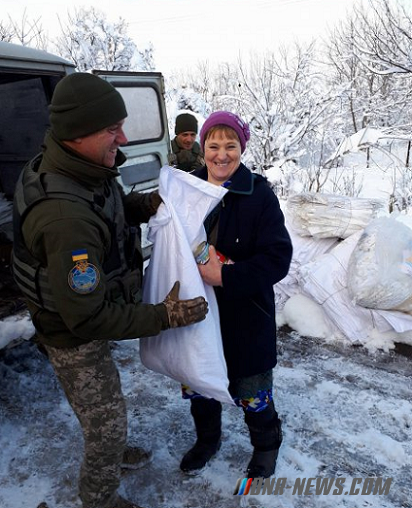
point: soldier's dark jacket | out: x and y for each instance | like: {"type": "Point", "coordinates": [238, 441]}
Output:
{"type": "Point", "coordinates": [186, 160]}
{"type": "Point", "coordinates": [79, 207]}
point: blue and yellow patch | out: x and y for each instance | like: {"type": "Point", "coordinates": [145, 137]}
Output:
{"type": "Point", "coordinates": [83, 277]}
{"type": "Point", "coordinates": [80, 255]}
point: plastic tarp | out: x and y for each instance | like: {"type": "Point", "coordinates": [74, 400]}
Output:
{"type": "Point", "coordinates": [192, 355]}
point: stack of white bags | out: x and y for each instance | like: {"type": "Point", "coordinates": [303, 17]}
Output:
{"type": "Point", "coordinates": [362, 283]}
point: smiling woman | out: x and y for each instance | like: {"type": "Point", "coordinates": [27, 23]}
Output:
{"type": "Point", "coordinates": [247, 227]}
{"type": "Point", "coordinates": [223, 136]}
{"type": "Point", "coordinates": [222, 156]}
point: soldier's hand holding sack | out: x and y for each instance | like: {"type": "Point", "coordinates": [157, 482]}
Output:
{"type": "Point", "coordinates": [184, 312]}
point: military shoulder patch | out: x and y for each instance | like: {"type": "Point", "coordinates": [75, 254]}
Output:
{"type": "Point", "coordinates": [83, 277]}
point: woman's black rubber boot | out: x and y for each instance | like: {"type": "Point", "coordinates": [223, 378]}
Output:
{"type": "Point", "coordinates": [207, 415]}
{"type": "Point", "coordinates": [266, 437]}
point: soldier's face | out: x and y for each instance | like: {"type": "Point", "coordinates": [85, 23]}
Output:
{"type": "Point", "coordinates": [186, 140]}
{"type": "Point", "coordinates": [101, 147]}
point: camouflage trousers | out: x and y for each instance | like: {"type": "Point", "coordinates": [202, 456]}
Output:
{"type": "Point", "coordinates": [91, 382]}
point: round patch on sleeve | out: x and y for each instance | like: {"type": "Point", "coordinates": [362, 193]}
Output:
{"type": "Point", "coordinates": [84, 278]}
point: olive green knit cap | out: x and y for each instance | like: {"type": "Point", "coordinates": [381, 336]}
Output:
{"type": "Point", "coordinates": [82, 104]}
{"type": "Point", "coordinates": [185, 123]}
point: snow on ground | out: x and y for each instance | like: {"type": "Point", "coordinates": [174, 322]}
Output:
{"type": "Point", "coordinates": [346, 413]}
{"type": "Point", "coordinates": [14, 328]}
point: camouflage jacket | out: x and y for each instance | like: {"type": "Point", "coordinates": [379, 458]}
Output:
{"type": "Point", "coordinates": [186, 160]}
{"type": "Point", "coordinates": [95, 296]}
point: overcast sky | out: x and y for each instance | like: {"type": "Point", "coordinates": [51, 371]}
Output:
{"type": "Point", "coordinates": [186, 31]}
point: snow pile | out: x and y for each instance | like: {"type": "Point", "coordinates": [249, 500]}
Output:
{"type": "Point", "coordinates": [14, 328]}
{"type": "Point", "coordinates": [307, 317]}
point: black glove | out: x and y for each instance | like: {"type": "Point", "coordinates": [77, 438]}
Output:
{"type": "Point", "coordinates": [155, 201]}
{"type": "Point", "coordinates": [184, 312]}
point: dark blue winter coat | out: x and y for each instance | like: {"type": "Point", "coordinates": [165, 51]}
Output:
{"type": "Point", "coordinates": [251, 232]}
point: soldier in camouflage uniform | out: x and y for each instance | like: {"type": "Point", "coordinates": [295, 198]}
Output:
{"type": "Point", "coordinates": [77, 258]}
{"type": "Point", "coordinates": [186, 153]}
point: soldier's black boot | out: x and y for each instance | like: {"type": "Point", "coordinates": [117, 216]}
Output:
{"type": "Point", "coordinates": [266, 437]}
{"type": "Point", "coordinates": [207, 415]}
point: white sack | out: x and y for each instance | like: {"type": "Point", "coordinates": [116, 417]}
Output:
{"type": "Point", "coordinates": [305, 249]}
{"type": "Point", "coordinates": [328, 215]}
{"type": "Point", "coordinates": [192, 355]}
{"type": "Point", "coordinates": [325, 279]}
{"type": "Point", "coordinates": [380, 267]}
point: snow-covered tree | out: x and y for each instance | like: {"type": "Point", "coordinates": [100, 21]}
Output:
{"type": "Point", "coordinates": [287, 102]}
{"type": "Point", "coordinates": [184, 98]}
{"type": "Point", "coordinates": [371, 96]}
{"type": "Point", "coordinates": [92, 42]}
{"type": "Point", "coordinates": [26, 31]}
{"type": "Point", "coordinates": [386, 39]}
{"type": "Point", "coordinates": [6, 31]}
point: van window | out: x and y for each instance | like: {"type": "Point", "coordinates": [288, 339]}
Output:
{"type": "Point", "coordinates": [24, 115]}
{"type": "Point", "coordinates": [143, 107]}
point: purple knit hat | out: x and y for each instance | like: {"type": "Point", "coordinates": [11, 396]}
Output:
{"type": "Point", "coordinates": [230, 120]}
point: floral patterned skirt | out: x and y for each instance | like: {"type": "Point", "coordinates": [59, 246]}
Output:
{"type": "Point", "coordinates": [251, 393]}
